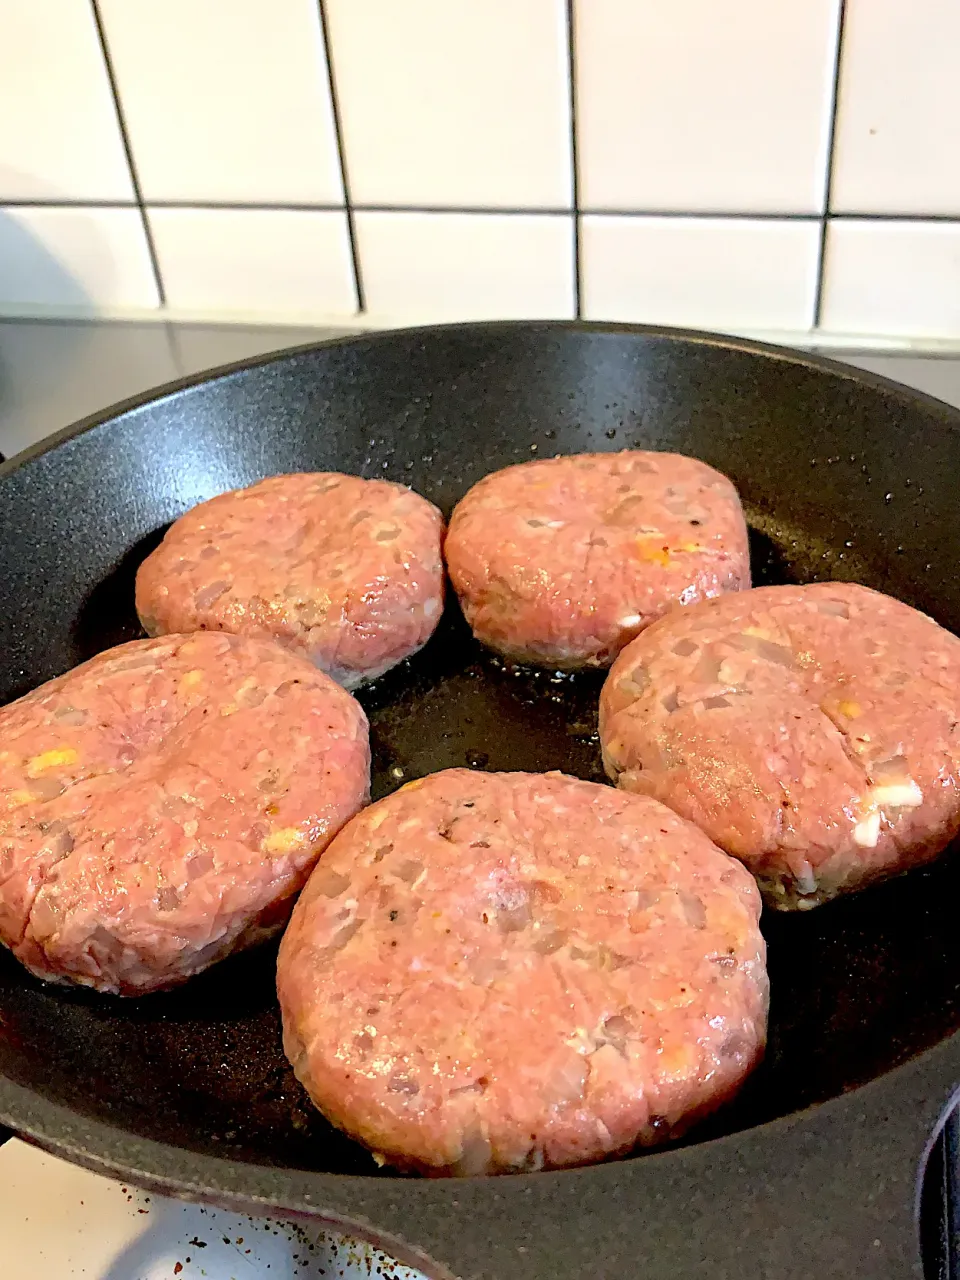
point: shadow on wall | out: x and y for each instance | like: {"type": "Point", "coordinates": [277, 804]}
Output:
{"type": "Point", "coordinates": [49, 253]}
{"type": "Point", "coordinates": [48, 256]}
{"type": "Point", "coordinates": [36, 246]}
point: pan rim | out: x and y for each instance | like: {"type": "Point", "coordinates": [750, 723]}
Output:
{"type": "Point", "coordinates": [374, 337]}
{"type": "Point", "coordinates": [94, 1155]}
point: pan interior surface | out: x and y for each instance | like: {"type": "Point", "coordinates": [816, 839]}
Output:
{"type": "Point", "coordinates": [841, 478]}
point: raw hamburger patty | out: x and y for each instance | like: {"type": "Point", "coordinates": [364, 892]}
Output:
{"type": "Point", "coordinates": [344, 571]}
{"type": "Point", "coordinates": [496, 972]}
{"type": "Point", "coordinates": [564, 560]}
{"type": "Point", "coordinates": [161, 805]}
{"type": "Point", "coordinates": [810, 731]}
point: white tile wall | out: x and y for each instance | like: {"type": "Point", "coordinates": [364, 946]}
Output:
{"type": "Point", "coordinates": [225, 100]}
{"type": "Point", "coordinates": [898, 130]}
{"type": "Point", "coordinates": [718, 273]}
{"type": "Point", "coordinates": [433, 181]}
{"type": "Point", "coordinates": [455, 266]}
{"type": "Point", "coordinates": [59, 136]}
{"type": "Point", "coordinates": [691, 105]}
{"type": "Point", "coordinates": [454, 102]}
{"type": "Point", "coordinates": [896, 278]}
{"type": "Point", "coordinates": [75, 259]}
{"type": "Point", "coordinates": [268, 261]}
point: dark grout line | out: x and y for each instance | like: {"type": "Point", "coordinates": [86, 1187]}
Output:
{"type": "Point", "coordinates": [716, 215]}
{"type": "Point", "coordinates": [281, 207]}
{"type": "Point", "coordinates": [342, 157]}
{"type": "Point", "coordinates": [474, 210]}
{"type": "Point", "coordinates": [246, 206]}
{"type": "Point", "coordinates": [173, 348]}
{"type": "Point", "coordinates": [702, 215]}
{"type": "Point", "coordinates": [54, 203]}
{"type": "Point", "coordinates": [852, 216]}
{"type": "Point", "coordinates": [831, 164]}
{"type": "Point", "coordinates": [128, 151]}
{"type": "Point", "coordinates": [539, 211]}
{"type": "Point", "coordinates": [574, 159]}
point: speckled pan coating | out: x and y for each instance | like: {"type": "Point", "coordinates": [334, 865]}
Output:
{"type": "Point", "coordinates": [562, 561]}
{"type": "Point", "coordinates": [496, 972]}
{"type": "Point", "coordinates": [344, 571]}
{"type": "Point", "coordinates": [812, 731]}
{"type": "Point", "coordinates": [161, 805]}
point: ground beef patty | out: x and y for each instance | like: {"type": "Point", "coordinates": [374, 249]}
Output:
{"type": "Point", "coordinates": [563, 561]}
{"type": "Point", "coordinates": [161, 804]}
{"type": "Point", "coordinates": [346, 572]}
{"type": "Point", "coordinates": [810, 731]}
{"type": "Point", "coordinates": [496, 972]}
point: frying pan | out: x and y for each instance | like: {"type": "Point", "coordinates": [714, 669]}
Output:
{"type": "Point", "coordinates": [814, 1170]}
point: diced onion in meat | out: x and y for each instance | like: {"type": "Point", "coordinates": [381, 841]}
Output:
{"type": "Point", "coordinates": [898, 795]}
{"type": "Point", "coordinates": [867, 831]}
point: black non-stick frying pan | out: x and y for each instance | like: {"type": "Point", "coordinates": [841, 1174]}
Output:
{"type": "Point", "coordinates": [813, 1172]}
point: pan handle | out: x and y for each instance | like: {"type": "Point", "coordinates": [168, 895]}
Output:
{"type": "Point", "coordinates": [940, 1205]}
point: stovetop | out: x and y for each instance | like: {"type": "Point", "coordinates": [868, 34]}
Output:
{"type": "Point", "coordinates": [58, 1221]}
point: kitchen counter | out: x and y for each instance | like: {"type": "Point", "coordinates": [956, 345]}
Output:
{"type": "Point", "coordinates": [58, 1221]}
{"type": "Point", "coordinates": [53, 373]}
